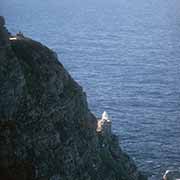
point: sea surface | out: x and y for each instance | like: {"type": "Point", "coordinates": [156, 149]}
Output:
{"type": "Point", "coordinates": [126, 55]}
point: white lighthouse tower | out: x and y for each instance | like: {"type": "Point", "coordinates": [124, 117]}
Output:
{"type": "Point", "coordinates": [104, 124]}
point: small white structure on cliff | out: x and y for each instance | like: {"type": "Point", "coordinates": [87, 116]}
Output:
{"type": "Point", "coordinates": [171, 175]}
{"type": "Point", "coordinates": [104, 124]}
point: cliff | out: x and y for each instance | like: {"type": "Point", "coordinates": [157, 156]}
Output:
{"type": "Point", "coordinates": [47, 131]}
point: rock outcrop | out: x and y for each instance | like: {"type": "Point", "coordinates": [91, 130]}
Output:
{"type": "Point", "coordinates": [47, 131]}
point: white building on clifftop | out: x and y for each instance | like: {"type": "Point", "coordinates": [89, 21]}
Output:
{"type": "Point", "coordinates": [104, 124]}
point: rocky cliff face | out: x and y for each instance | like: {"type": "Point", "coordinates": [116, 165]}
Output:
{"type": "Point", "coordinates": [46, 129]}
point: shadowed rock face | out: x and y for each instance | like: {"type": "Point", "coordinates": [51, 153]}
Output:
{"type": "Point", "coordinates": [3, 32]}
{"type": "Point", "coordinates": [46, 126]}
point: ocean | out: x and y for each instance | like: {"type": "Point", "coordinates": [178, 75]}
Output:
{"type": "Point", "coordinates": [126, 55]}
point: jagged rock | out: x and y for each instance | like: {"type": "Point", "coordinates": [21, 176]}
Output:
{"type": "Point", "coordinates": [45, 123]}
{"type": "Point", "coordinates": [2, 21]}
{"type": "Point", "coordinates": [4, 35]}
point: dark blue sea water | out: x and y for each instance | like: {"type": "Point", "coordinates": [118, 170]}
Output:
{"type": "Point", "coordinates": [126, 55]}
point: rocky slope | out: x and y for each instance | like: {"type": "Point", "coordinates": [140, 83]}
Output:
{"type": "Point", "coordinates": [46, 129]}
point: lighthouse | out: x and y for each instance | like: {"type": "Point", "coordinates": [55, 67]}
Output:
{"type": "Point", "coordinates": [104, 124]}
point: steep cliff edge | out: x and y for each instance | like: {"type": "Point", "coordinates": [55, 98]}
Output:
{"type": "Point", "coordinates": [46, 128]}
